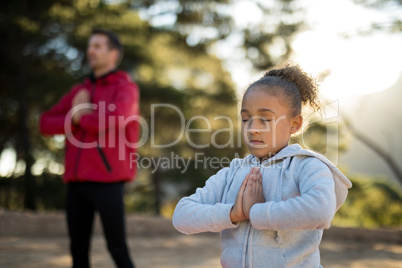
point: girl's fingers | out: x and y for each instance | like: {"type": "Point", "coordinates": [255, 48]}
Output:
{"type": "Point", "coordinates": [258, 187]}
{"type": "Point", "coordinates": [250, 180]}
{"type": "Point", "coordinates": [254, 179]}
{"type": "Point", "coordinates": [243, 185]}
{"type": "Point", "coordinates": [256, 170]}
{"type": "Point", "coordinates": [245, 179]}
{"type": "Point", "coordinates": [256, 184]}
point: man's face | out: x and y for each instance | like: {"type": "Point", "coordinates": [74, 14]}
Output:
{"type": "Point", "coordinates": [99, 54]}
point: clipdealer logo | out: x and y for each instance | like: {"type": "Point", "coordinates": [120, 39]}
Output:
{"type": "Point", "coordinates": [109, 120]}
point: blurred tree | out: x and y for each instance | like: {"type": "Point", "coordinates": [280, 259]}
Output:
{"type": "Point", "coordinates": [44, 46]}
{"type": "Point", "coordinates": [47, 41]}
{"type": "Point", "coordinates": [206, 26]}
{"type": "Point", "coordinates": [169, 50]}
{"type": "Point", "coordinates": [261, 31]}
{"type": "Point", "coordinates": [394, 22]}
{"type": "Point", "coordinates": [371, 203]}
{"type": "Point", "coordinates": [21, 70]}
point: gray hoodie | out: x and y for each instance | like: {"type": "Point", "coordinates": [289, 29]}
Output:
{"type": "Point", "coordinates": [302, 191]}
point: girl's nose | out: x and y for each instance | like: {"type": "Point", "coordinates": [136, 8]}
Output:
{"type": "Point", "coordinates": [254, 130]}
{"type": "Point", "coordinates": [256, 127]}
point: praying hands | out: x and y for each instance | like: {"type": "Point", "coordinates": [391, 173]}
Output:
{"type": "Point", "coordinates": [250, 193]}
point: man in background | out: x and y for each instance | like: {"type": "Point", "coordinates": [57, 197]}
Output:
{"type": "Point", "coordinates": [98, 119]}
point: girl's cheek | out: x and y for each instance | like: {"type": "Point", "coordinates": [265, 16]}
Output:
{"type": "Point", "coordinates": [244, 134]}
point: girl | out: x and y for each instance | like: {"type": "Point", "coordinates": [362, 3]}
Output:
{"type": "Point", "coordinates": [272, 206]}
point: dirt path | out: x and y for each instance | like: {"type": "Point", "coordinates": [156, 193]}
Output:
{"type": "Point", "coordinates": [181, 251]}
{"type": "Point", "coordinates": [38, 241]}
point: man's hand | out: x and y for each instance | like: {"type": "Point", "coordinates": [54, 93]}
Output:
{"type": "Point", "coordinates": [82, 97]}
{"type": "Point", "coordinates": [237, 214]}
{"type": "Point", "coordinates": [253, 193]}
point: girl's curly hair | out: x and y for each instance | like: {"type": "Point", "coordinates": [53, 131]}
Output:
{"type": "Point", "coordinates": [296, 86]}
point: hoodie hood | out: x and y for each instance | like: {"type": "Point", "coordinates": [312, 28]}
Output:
{"type": "Point", "coordinates": [342, 184]}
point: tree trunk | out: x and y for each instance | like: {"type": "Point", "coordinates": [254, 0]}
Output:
{"type": "Point", "coordinates": [157, 191]}
{"type": "Point", "coordinates": [25, 143]}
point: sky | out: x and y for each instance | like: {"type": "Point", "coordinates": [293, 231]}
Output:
{"type": "Point", "coordinates": [357, 64]}
{"type": "Point", "coordinates": [360, 64]}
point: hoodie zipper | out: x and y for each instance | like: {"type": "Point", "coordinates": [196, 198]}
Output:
{"type": "Point", "coordinates": [278, 196]}
{"type": "Point", "coordinates": [83, 134]}
{"type": "Point", "coordinates": [248, 259]}
{"type": "Point", "coordinates": [104, 159]}
{"type": "Point", "coordinates": [100, 151]}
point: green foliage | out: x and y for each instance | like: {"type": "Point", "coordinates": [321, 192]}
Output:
{"type": "Point", "coordinates": [371, 203]}
{"type": "Point", "coordinates": [44, 45]}
{"type": "Point", "coordinates": [49, 188]}
{"type": "Point", "coordinates": [206, 22]}
{"type": "Point", "coordinates": [44, 50]}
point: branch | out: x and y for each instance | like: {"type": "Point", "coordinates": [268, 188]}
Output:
{"type": "Point", "coordinates": [376, 148]}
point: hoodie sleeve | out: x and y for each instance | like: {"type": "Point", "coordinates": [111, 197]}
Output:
{"type": "Point", "coordinates": [52, 122]}
{"type": "Point", "coordinates": [124, 111]}
{"type": "Point", "coordinates": [313, 209]}
{"type": "Point", "coordinates": [203, 210]}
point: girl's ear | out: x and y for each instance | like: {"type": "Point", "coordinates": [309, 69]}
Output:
{"type": "Point", "coordinates": [296, 124]}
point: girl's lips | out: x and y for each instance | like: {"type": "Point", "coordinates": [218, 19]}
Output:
{"type": "Point", "coordinates": [256, 142]}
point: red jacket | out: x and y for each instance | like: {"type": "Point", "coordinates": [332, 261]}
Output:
{"type": "Point", "coordinates": [102, 147]}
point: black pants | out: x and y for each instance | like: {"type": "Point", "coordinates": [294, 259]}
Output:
{"type": "Point", "coordinates": [83, 199]}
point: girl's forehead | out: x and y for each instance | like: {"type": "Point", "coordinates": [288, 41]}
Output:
{"type": "Point", "coordinates": [261, 96]}
{"type": "Point", "coordinates": [264, 91]}
{"type": "Point", "coordinates": [258, 100]}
